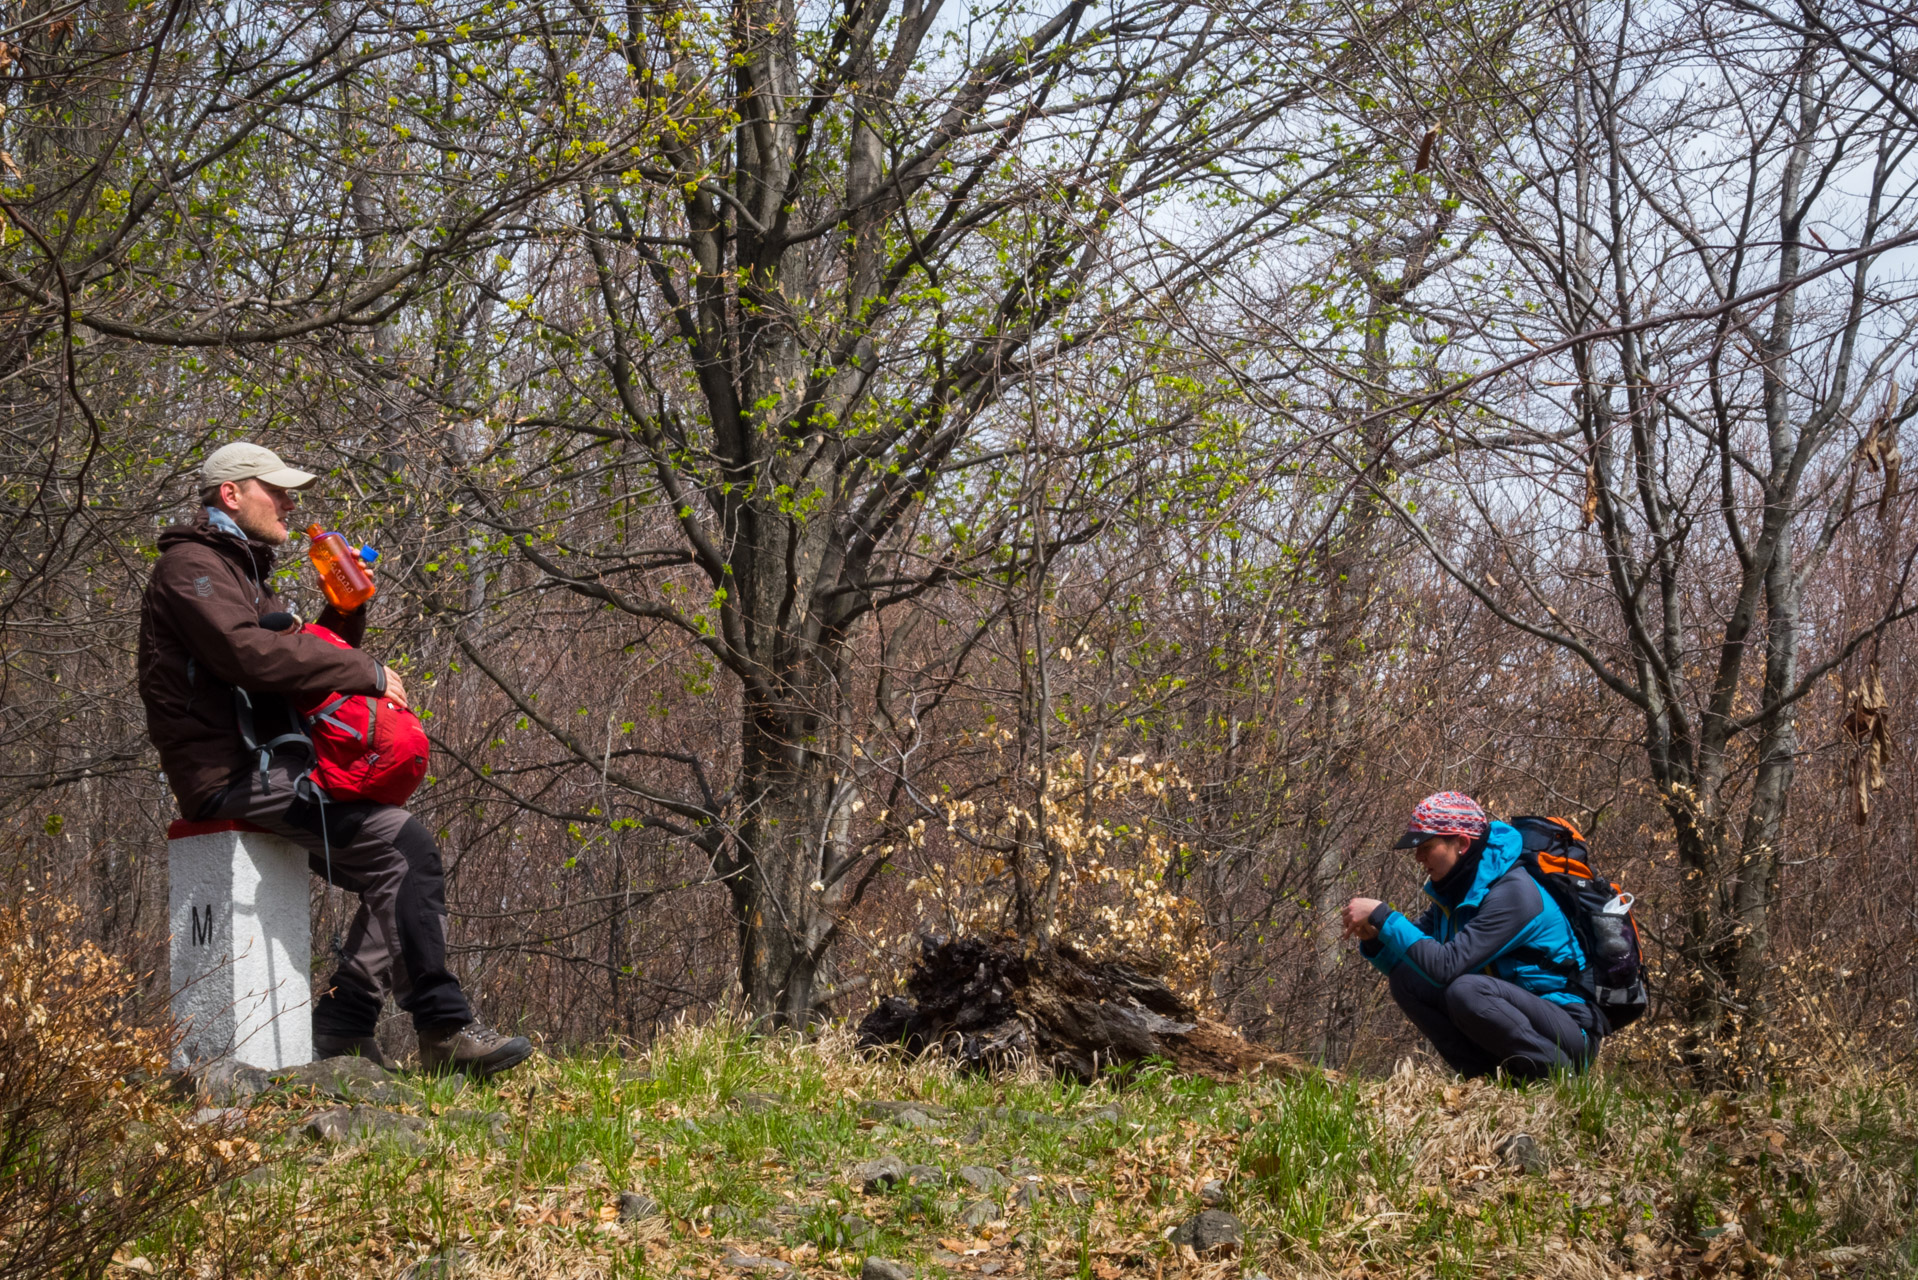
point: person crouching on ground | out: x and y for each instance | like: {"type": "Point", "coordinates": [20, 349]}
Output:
{"type": "Point", "coordinates": [205, 632]}
{"type": "Point", "coordinates": [1490, 972]}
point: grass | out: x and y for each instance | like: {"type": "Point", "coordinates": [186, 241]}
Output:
{"type": "Point", "coordinates": [751, 1146]}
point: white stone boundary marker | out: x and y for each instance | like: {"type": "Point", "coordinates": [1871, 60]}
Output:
{"type": "Point", "coordinates": [242, 956]}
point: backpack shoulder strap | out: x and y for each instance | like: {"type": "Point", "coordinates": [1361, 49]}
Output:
{"type": "Point", "coordinates": [325, 713]}
{"type": "Point", "coordinates": [249, 726]}
{"type": "Point", "coordinates": [1553, 873]}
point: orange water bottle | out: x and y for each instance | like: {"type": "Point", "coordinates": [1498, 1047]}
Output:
{"type": "Point", "coordinates": [342, 570]}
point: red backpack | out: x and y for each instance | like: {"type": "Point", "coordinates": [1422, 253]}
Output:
{"type": "Point", "coordinates": [364, 747]}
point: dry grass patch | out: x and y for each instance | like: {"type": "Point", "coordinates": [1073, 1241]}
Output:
{"type": "Point", "coordinates": [752, 1152]}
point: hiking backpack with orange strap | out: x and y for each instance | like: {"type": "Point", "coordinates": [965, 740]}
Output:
{"type": "Point", "coordinates": [1558, 857]}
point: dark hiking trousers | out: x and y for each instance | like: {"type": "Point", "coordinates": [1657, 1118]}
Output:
{"type": "Point", "coordinates": [1480, 1023]}
{"type": "Point", "coordinates": [397, 942]}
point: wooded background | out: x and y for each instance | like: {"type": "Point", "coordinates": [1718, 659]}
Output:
{"type": "Point", "coordinates": [861, 471]}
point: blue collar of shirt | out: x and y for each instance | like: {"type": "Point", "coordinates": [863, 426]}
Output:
{"type": "Point", "coordinates": [220, 520]}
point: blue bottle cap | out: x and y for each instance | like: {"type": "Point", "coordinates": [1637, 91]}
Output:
{"type": "Point", "coordinates": [368, 555]}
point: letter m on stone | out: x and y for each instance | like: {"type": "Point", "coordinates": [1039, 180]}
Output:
{"type": "Point", "coordinates": [202, 928]}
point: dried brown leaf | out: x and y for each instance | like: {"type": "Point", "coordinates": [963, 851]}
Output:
{"type": "Point", "coordinates": [1426, 146]}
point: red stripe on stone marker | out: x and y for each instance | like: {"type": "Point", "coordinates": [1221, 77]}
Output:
{"type": "Point", "coordinates": [181, 829]}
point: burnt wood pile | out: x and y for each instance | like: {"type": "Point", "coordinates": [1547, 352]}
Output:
{"type": "Point", "coordinates": [987, 1002]}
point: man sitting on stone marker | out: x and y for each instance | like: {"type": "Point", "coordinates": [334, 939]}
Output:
{"type": "Point", "coordinates": [1490, 971]}
{"type": "Point", "coordinates": [208, 665]}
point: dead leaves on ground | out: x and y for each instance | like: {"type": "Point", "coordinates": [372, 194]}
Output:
{"type": "Point", "coordinates": [1101, 1210]}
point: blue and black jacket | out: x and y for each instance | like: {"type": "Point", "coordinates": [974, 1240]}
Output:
{"type": "Point", "coordinates": [1488, 916]}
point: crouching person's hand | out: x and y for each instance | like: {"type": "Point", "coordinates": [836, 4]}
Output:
{"type": "Point", "coordinates": [1358, 918]}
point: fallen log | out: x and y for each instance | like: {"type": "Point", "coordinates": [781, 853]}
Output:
{"type": "Point", "coordinates": [989, 1002]}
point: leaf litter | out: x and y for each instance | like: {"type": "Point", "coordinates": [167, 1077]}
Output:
{"type": "Point", "coordinates": [1400, 1176]}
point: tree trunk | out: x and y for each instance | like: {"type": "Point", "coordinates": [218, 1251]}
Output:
{"type": "Point", "coordinates": [1754, 882]}
{"type": "Point", "coordinates": [789, 804]}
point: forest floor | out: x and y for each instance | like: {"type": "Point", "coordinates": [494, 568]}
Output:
{"type": "Point", "coordinates": [716, 1155]}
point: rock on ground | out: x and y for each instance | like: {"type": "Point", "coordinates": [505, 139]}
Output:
{"type": "Point", "coordinates": [926, 1175]}
{"type": "Point", "coordinates": [1017, 1115]}
{"type": "Point", "coordinates": [225, 1083]}
{"type": "Point", "coordinates": [355, 1124]}
{"type": "Point", "coordinates": [986, 1002]}
{"type": "Point", "coordinates": [634, 1206]}
{"type": "Point", "coordinates": [218, 1117]}
{"type": "Point", "coordinates": [881, 1173]}
{"type": "Point", "coordinates": [348, 1078]}
{"type": "Point", "coordinates": [1213, 1231]}
{"type": "Point", "coordinates": [1521, 1151]}
{"type": "Point", "coordinates": [883, 1109]}
{"type": "Point", "coordinates": [982, 1179]}
{"type": "Point", "coordinates": [884, 1269]}
{"type": "Point", "coordinates": [330, 1073]}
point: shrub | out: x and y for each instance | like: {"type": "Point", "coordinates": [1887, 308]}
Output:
{"type": "Point", "coordinates": [91, 1153]}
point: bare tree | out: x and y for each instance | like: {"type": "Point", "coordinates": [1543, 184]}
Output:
{"type": "Point", "coordinates": [1645, 438]}
{"type": "Point", "coordinates": [797, 318]}
{"type": "Point", "coordinates": [204, 210]}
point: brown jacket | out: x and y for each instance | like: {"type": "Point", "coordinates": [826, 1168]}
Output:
{"type": "Point", "coordinates": [200, 635]}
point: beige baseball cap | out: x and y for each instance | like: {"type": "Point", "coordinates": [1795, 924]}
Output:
{"type": "Point", "coordinates": [243, 461]}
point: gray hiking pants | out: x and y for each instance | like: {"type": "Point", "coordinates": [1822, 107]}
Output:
{"type": "Point", "coordinates": [397, 942]}
{"type": "Point", "coordinates": [1479, 1023]}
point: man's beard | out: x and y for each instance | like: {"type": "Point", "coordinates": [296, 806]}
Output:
{"type": "Point", "coordinates": [261, 528]}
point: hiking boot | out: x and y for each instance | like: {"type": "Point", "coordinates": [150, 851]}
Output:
{"type": "Point", "coordinates": [331, 1046]}
{"type": "Point", "coordinates": [474, 1049]}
